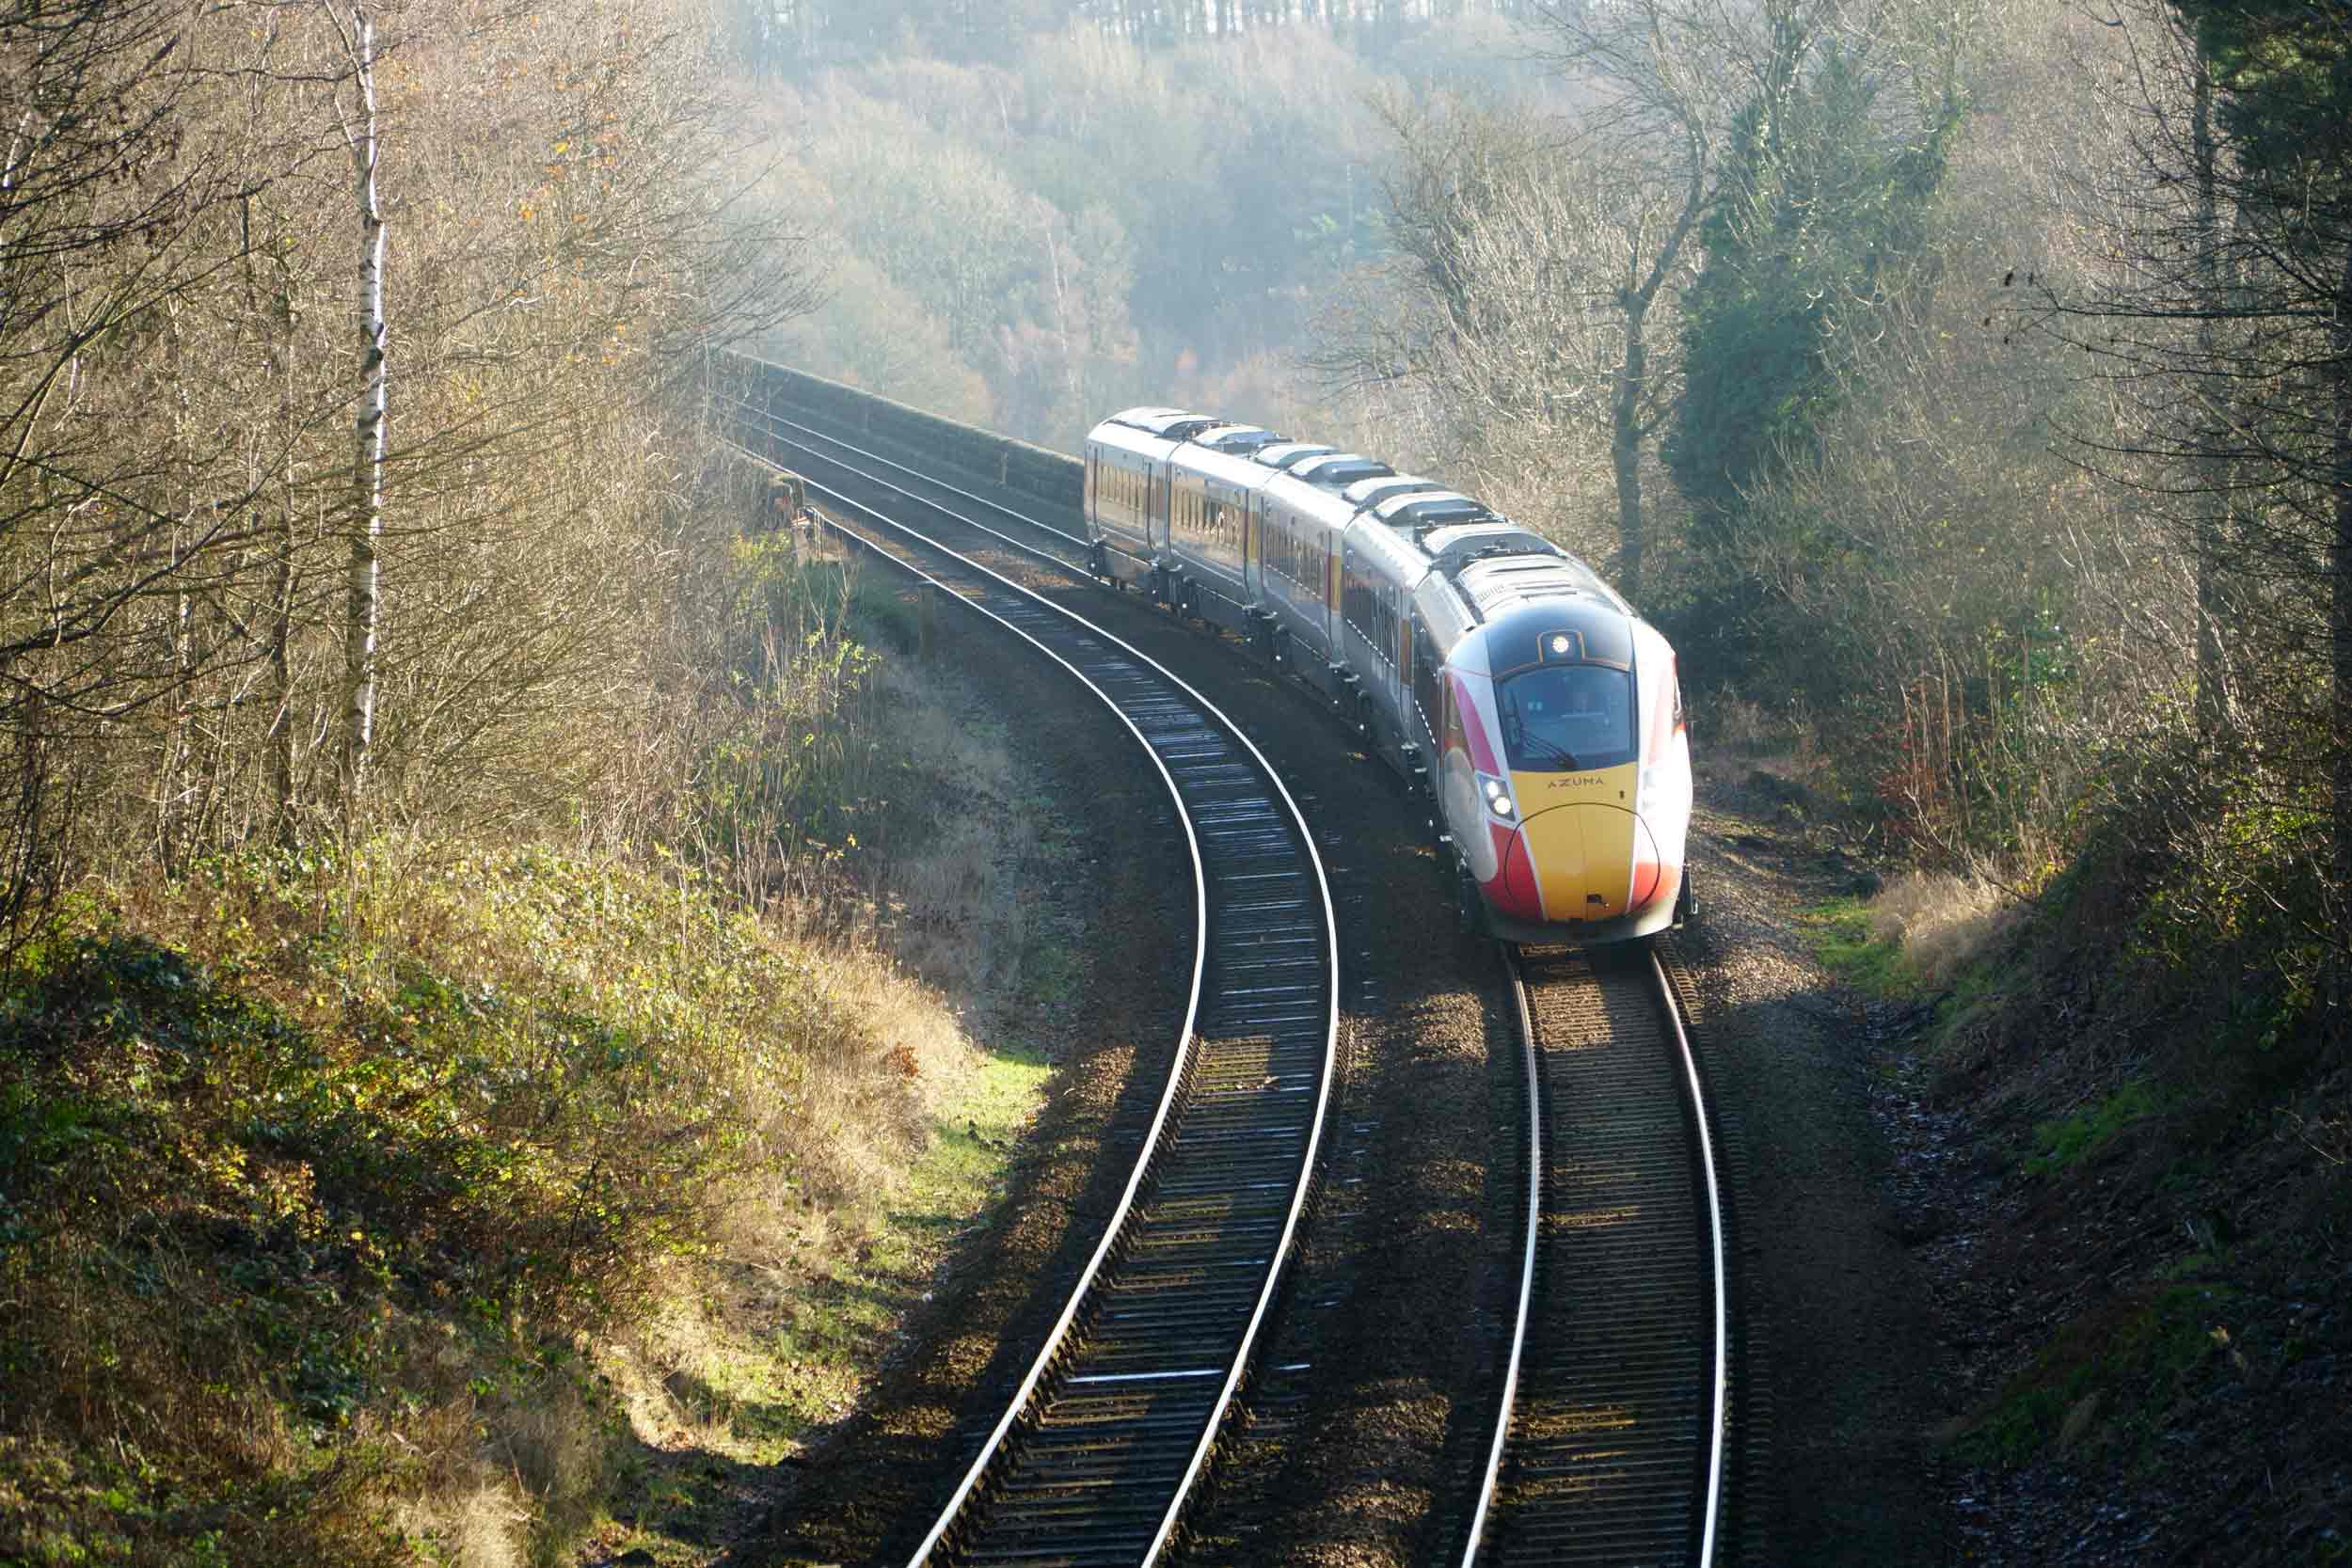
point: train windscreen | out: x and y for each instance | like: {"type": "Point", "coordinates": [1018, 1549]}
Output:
{"type": "Point", "coordinates": [1568, 718]}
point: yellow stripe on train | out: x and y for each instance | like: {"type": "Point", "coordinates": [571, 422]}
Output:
{"type": "Point", "coordinates": [1582, 838]}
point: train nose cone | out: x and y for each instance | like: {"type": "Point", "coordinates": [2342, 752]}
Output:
{"type": "Point", "coordinates": [1584, 862]}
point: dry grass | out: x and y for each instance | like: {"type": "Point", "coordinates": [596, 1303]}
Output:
{"type": "Point", "coordinates": [316, 1224]}
{"type": "Point", "coordinates": [363, 1167]}
{"type": "Point", "coordinates": [1940, 920]}
{"type": "Point", "coordinates": [963, 921]}
{"type": "Point", "coordinates": [778, 1334]}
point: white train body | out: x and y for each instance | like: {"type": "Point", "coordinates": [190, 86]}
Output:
{"type": "Point", "coordinates": [1494, 669]}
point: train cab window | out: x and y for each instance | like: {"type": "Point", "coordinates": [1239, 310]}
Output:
{"type": "Point", "coordinates": [1568, 718]}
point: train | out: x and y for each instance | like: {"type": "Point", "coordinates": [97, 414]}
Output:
{"type": "Point", "coordinates": [1497, 672]}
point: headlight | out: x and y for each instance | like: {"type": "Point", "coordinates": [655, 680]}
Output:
{"type": "Point", "coordinates": [1497, 794]}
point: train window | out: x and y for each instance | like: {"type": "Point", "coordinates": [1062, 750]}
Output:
{"type": "Point", "coordinates": [1282, 555]}
{"type": "Point", "coordinates": [1563, 718]}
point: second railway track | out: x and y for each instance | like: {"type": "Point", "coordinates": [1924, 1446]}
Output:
{"type": "Point", "coordinates": [1092, 1461]}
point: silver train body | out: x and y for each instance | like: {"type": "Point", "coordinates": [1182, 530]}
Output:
{"type": "Point", "coordinates": [1496, 672]}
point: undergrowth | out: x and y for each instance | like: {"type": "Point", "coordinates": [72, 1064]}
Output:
{"type": "Point", "coordinates": [302, 1236]}
{"type": "Point", "coordinates": [2116, 1371]}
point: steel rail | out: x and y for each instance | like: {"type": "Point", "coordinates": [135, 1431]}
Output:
{"type": "Point", "coordinates": [1713, 1421]}
{"type": "Point", "coordinates": [1076, 568]}
{"type": "Point", "coordinates": [1282, 1251]}
{"type": "Point", "coordinates": [746, 405]}
{"type": "Point", "coordinates": [1530, 1244]}
{"type": "Point", "coordinates": [917, 476]}
{"type": "Point", "coordinates": [1719, 1416]}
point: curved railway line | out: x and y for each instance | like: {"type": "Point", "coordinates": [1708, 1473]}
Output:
{"type": "Point", "coordinates": [1093, 1458]}
{"type": "Point", "coordinates": [1611, 1437]}
{"type": "Point", "coordinates": [844, 467]}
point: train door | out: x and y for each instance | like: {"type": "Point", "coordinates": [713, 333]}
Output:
{"type": "Point", "coordinates": [1428, 718]}
{"type": "Point", "coordinates": [1333, 622]}
{"type": "Point", "coordinates": [1402, 633]}
{"type": "Point", "coordinates": [1252, 569]}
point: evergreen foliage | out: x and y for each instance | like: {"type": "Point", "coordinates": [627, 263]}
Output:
{"type": "Point", "coordinates": [1820, 210]}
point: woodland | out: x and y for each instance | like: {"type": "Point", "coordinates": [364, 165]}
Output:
{"type": "Point", "coordinates": [1965, 388]}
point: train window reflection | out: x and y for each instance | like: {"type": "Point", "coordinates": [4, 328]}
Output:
{"type": "Point", "coordinates": [1561, 718]}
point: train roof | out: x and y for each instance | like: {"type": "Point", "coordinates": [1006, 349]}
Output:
{"type": "Point", "coordinates": [1419, 510]}
{"type": "Point", "coordinates": [1286, 454]}
{"type": "Point", "coordinates": [1371, 492]}
{"type": "Point", "coordinates": [1242, 439]}
{"type": "Point", "coordinates": [1310, 502]}
{"type": "Point", "coordinates": [1498, 583]}
{"type": "Point", "coordinates": [1337, 470]}
{"type": "Point", "coordinates": [1171, 424]}
{"type": "Point", "coordinates": [1458, 545]}
{"type": "Point", "coordinates": [1225, 467]}
{"type": "Point", "coordinates": [1132, 439]}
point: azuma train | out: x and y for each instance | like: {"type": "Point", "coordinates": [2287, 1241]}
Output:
{"type": "Point", "coordinates": [1495, 671]}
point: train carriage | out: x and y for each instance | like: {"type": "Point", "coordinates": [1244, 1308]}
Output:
{"type": "Point", "coordinates": [1494, 669]}
{"type": "Point", "coordinates": [1299, 547]}
{"type": "Point", "coordinates": [1130, 465]}
{"type": "Point", "coordinates": [1380, 572]}
{"type": "Point", "coordinates": [1213, 509]}
{"type": "Point", "coordinates": [1564, 765]}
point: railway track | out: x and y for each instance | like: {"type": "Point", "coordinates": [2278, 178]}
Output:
{"type": "Point", "coordinates": [1610, 1441]}
{"type": "Point", "coordinates": [1093, 1459]}
{"type": "Point", "coordinates": [847, 469]}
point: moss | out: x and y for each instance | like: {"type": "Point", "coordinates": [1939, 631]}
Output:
{"type": "Point", "coordinates": [2134, 1360]}
{"type": "Point", "coordinates": [2067, 1141]}
{"type": "Point", "coordinates": [1843, 941]}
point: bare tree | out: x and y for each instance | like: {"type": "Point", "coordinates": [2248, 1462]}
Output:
{"type": "Point", "coordinates": [2218, 328]}
{"type": "Point", "coordinates": [363, 604]}
{"type": "Point", "coordinates": [103, 512]}
{"type": "Point", "coordinates": [1528, 278]}
{"type": "Point", "coordinates": [215, 607]}
{"type": "Point", "coordinates": [1659, 85]}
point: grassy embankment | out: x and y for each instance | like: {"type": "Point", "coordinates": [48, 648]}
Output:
{"type": "Point", "coordinates": [2144, 1037]}
{"type": "Point", "coordinates": [411, 1204]}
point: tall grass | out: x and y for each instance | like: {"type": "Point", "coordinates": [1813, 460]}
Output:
{"type": "Point", "coordinates": [288, 1228]}
{"type": "Point", "coordinates": [328, 1179]}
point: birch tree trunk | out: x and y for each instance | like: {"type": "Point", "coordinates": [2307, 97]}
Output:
{"type": "Point", "coordinates": [1625, 443]}
{"type": "Point", "coordinates": [2213, 690]}
{"type": "Point", "coordinates": [2338, 377]}
{"type": "Point", "coordinates": [362, 597]}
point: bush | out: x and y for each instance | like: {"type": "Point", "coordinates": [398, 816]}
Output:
{"type": "Point", "coordinates": [287, 1231]}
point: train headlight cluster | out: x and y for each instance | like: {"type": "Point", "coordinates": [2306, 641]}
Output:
{"type": "Point", "coordinates": [1498, 796]}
